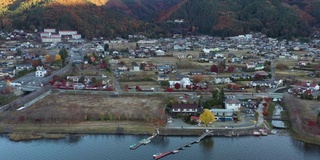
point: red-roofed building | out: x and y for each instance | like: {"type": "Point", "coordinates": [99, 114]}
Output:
{"type": "Point", "coordinates": [195, 118]}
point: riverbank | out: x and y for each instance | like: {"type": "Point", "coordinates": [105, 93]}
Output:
{"type": "Point", "coordinates": [18, 132]}
{"type": "Point", "coordinates": [305, 138]}
{"type": "Point", "coordinates": [34, 136]}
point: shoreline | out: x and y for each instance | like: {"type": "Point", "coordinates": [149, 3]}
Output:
{"type": "Point", "coordinates": [25, 132]}
{"type": "Point", "coordinates": [304, 138]}
{"type": "Point", "coordinates": [22, 132]}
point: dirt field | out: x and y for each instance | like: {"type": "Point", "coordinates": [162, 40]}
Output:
{"type": "Point", "coordinates": [67, 108]}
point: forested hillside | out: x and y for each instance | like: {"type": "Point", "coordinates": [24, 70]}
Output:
{"type": "Point", "coordinates": [110, 18]}
{"type": "Point", "coordinates": [90, 19]}
{"type": "Point", "coordinates": [230, 17]}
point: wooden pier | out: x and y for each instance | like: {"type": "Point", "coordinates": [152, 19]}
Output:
{"type": "Point", "coordinates": [188, 144]}
{"type": "Point", "coordinates": [144, 141]}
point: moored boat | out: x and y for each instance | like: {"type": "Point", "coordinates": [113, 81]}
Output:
{"type": "Point", "coordinates": [156, 155]}
{"type": "Point", "coordinates": [256, 133]}
{"type": "Point", "coordinates": [175, 151]}
{"type": "Point", "coordinates": [145, 141]}
{"type": "Point", "coordinates": [132, 146]}
{"type": "Point", "coordinates": [263, 132]}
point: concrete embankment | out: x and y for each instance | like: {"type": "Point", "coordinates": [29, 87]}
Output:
{"type": "Point", "coordinates": [216, 132]}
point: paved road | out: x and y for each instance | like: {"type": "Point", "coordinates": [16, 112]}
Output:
{"type": "Point", "coordinates": [272, 70]}
{"type": "Point", "coordinates": [241, 95]}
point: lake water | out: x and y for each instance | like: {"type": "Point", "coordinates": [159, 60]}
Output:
{"type": "Point", "coordinates": [116, 147]}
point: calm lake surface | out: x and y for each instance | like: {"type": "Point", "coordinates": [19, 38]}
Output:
{"type": "Point", "coordinates": [116, 147]}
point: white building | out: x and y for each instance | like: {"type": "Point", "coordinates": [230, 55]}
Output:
{"type": "Point", "coordinates": [219, 80]}
{"type": "Point", "coordinates": [160, 53]}
{"type": "Point", "coordinates": [222, 112]}
{"type": "Point", "coordinates": [136, 68]}
{"type": "Point", "coordinates": [76, 36]}
{"type": "Point", "coordinates": [40, 72]}
{"type": "Point", "coordinates": [150, 41]}
{"type": "Point", "coordinates": [183, 82]}
{"type": "Point", "coordinates": [45, 34]}
{"type": "Point", "coordinates": [67, 33]}
{"type": "Point", "coordinates": [50, 30]}
{"type": "Point", "coordinates": [233, 104]}
{"type": "Point", "coordinates": [51, 39]}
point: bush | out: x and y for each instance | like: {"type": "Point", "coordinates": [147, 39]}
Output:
{"type": "Point", "coordinates": [265, 113]}
{"type": "Point", "coordinates": [281, 66]}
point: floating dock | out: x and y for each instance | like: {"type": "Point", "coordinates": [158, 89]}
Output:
{"type": "Point", "coordinates": [188, 144]}
{"type": "Point", "coordinates": [143, 141]}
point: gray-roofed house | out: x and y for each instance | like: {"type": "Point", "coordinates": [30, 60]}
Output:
{"type": "Point", "coordinates": [232, 103]}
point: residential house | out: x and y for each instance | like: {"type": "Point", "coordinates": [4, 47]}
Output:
{"type": "Point", "coordinates": [303, 63]}
{"type": "Point", "coordinates": [136, 68]}
{"type": "Point", "coordinates": [236, 60]}
{"type": "Point", "coordinates": [222, 112]}
{"type": "Point", "coordinates": [184, 108]}
{"type": "Point", "coordinates": [73, 78]}
{"type": "Point", "coordinates": [122, 68]}
{"type": "Point", "coordinates": [164, 68]}
{"type": "Point", "coordinates": [196, 72]}
{"type": "Point", "coordinates": [270, 84]}
{"type": "Point", "coordinates": [8, 72]}
{"type": "Point", "coordinates": [251, 65]}
{"type": "Point", "coordinates": [219, 80]}
{"type": "Point", "coordinates": [259, 66]}
{"type": "Point", "coordinates": [163, 78]}
{"type": "Point", "coordinates": [40, 71]}
{"type": "Point", "coordinates": [149, 67]}
{"type": "Point", "coordinates": [20, 67]}
{"type": "Point", "coordinates": [233, 104]}
{"type": "Point", "coordinates": [261, 73]}
{"type": "Point", "coordinates": [159, 53]}
{"type": "Point", "coordinates": [183, 82]}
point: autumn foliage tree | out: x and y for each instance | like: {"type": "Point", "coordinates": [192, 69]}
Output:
{"type": "Point", "coordinates": [49, 58]}
{"type": "Point", "coordinates": [207, 117]}
{"type": "Point", "coordinates": [177, 86]}
{"type": "Point", "coordinates": [57, 57]}
{"type": "Point", "coordinates": [214, 68]}
{"type": "Point", "coordinates": [197, 78]}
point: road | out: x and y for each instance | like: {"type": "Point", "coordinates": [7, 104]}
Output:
{"type": "Point", "coordinates": [272, 70]}
{"type": "Point", "coordinates": [30, 80]}
{"type": "Point", "coordinates": [245, 95]}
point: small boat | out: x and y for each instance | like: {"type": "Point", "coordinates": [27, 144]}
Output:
{"type": "Point", "coordinates": [144, 141]}
{"type": "Point", "coordinates": [263, 132]}
{"type": "Point", "coordinates": [188, 145]}
{"type": "Point", "coordinates": [175, 151]}
{"type": "Point", "coordinates": [132, 146]}
{"type": "Point", "coordinates": [255, 133]}
{"type": "Point", "coordinates": [157, 154]}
